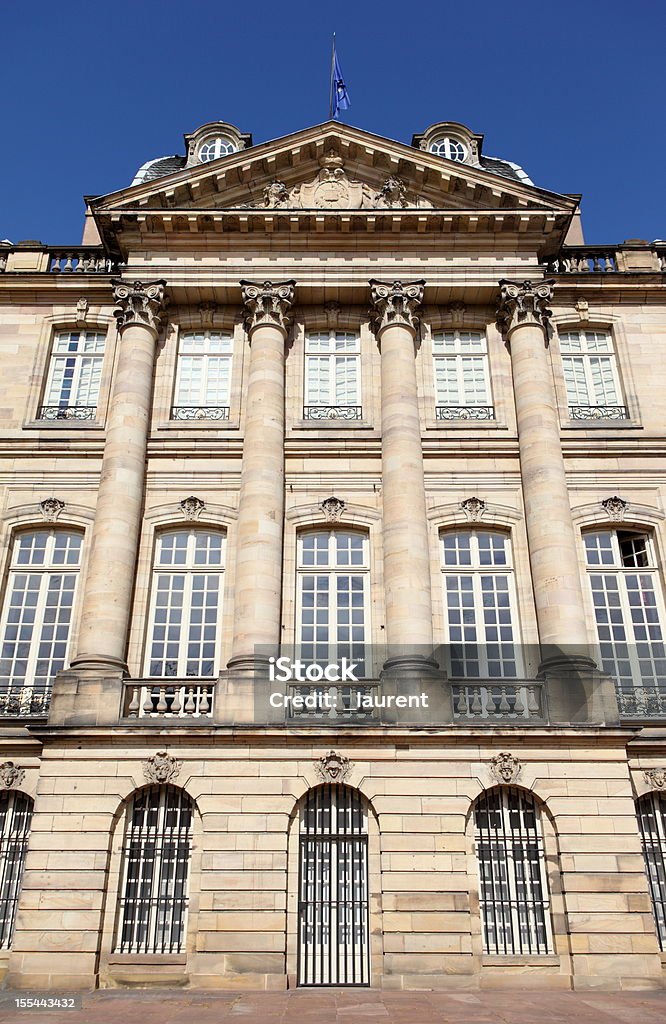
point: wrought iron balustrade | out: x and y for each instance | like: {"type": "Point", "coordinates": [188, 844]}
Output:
{"type": "Point", "coordinates": [179, 698]}
{"type": "Point", "coordinates": [24, 701]}
{"type": "Point", "coordinates": [598, 412]}
{"type": "Point", "coordinates": [67, 412]}
{"type": "Point", "coordinates": [199, 412]}
{"type": "Point", "coordinates": [642, 702]}
{"type": "Point", "coordinates": [499, 700]}
{"type": "Point", "coordinates": [332, 412]}
{"type": "Point", "coordinates": [465, 412]}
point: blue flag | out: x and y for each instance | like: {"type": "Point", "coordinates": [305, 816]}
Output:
{"type": "Point", "coordinates": [341, 99]}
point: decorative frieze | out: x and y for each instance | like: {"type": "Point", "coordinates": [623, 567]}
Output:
{"type": "Point", "coordinates": [396, 303]}
{"type": "Point", "coordinates": [192, 507]}
{"type": "Point", "coordinates": [505, 767]}
{"type": "Point", "coordinates": [524, 303]}
{"type": "Point", "coordinates": [267, 304]}
{"type": "Point", "coordinates": [51, 508]}
{"type": "Point", "coordinates": [11, 775]}
{"type": "Point", "coordinates": [161, 768]}
{"type": "Point", "coordinates": [332, 508]}
{"type": "Point", "coordinates": [139, 303]}
{"type": "Point", "coordinates": [615, 507]}
{"type": "Point", "coordinates": [333, 767]}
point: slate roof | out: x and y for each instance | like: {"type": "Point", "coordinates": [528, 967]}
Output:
{"type": "Point", "coordinates": [159, 168]}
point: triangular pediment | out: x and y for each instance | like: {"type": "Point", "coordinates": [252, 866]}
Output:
{"type": "Point", "coordinates": [333, 167]}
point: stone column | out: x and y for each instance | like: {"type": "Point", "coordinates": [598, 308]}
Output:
{"type": "Point", "coordinates": [409, 633]}
{"type": "Point", "coordinates": [258, 583]}
{"type": "Point", "coordinates": [524, 319]}
{"type": "Point", "coordinates": [109, 582]}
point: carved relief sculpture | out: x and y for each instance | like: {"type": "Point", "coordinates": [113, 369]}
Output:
{"type": "Point", "coordinates": [523, 303]}
{"type": "Point", "coordinates": [161, 768]}
{"type": "Point", "coordinates": [333, 767]}
{"type": "Point", "coordinates": [505, 767]}
{"type": "Point", "coordinates": [396, 303]}
{"type": "Point", "coordinates": [332, 508]}
{"type": "Point", "coordinates": [139, 304]}
{"type": "Point", "coordinates": [267, 304]}
{"type": "Point", "coordinates": [51, 508]}
{"type": "Point", "coordinates": [11, 775]}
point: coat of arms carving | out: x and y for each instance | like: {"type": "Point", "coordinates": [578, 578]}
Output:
{"type": "Point", "coordinates": [161, 768]}
{"type": "Point", "coordinates": [11, 774]}
{"type": "Point", "coordinates": [505, 767]}
{"type": "Point", "coordinates": [333, 767]}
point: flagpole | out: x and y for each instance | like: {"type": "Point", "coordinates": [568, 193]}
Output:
{"type": "Point", "coordinates": [330, 92]}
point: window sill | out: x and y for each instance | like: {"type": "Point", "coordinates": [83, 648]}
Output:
{"type": "Point", "coordinates": [63, 425]}
{"type": "Point", "coordinates": [442, 425]}
{"type": "Point", "coordinates": [141, 959]}
{"type": "Point", "coordinates": [189, 426]}
{"type": "Point", "coordinates": [601, 425]}
{"type": "Point", "coordinates": [515, 960]}
{"type": "Point", "coordinates": [332, 424]}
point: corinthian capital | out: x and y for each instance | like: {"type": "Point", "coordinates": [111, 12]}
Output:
{"type": "Point", "coordinates": [267, 304]}
{"type": "Point", "coordinates": [139, 303]}
{"type": "Point", "coordinates": [396, 303]}
{"type": "Point", "coordinates": [524, 302]}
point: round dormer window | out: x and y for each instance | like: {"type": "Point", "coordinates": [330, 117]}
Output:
{"type": "Point", "coordinates": [452, 149]}
{"type": "Point", "coordinates": [213, 149]}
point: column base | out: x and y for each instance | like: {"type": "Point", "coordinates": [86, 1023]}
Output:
{"type": "Point", "coordinates": [99, 663]}
{"type": "Point", "coordinates": [87, 696]}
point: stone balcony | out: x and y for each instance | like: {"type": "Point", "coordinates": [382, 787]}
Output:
{"type": "Point", "coordinates": [37, 258]}
{"type": "Point", "coordinates": [632, 257]}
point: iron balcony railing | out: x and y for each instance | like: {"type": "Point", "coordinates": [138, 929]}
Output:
{"type": "Point", "coordinates": [67, 412]}
{"type": "Point", "coordinates": [464, 412]}
{"type": "Point", "coordinates": [598, 412]}
{"type": "Point", "coordinates": [332, 412]}
{"type": "Point", "coordinates": [189, 413]}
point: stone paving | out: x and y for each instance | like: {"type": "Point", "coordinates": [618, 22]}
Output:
{"type": "Point", "coordinates": [343, 1006]}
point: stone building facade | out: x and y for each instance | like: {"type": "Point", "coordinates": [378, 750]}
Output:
{"type": "Point", "coordinates": [340, 394]}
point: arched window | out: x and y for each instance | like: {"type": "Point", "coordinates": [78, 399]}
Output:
{"type": "Point", "coordinates": [15, 816]}
{"type": "Point", "coordinates": [480, 604]}
{"type": "Point", "coordinates": [156, 859]}
{"type": "Point", "coordinates": [186, 604]}
{"type": "Point", "coordinates": [37, 617]}
{"type": "Point", "coordinates": [448, 147]}
{"type": "Point", "coordinates": [513, 892]}
{"type": "Point", "coordinates": [651, 811]}
{"type": "Point", "coordinates": [333, 597]}
{"type": "Point", "coordinates": [333, 912]}
{"type": "Point", "coordinates": [628, 606]}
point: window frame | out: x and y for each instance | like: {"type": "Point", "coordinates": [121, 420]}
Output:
{"type": "Point", "coordinates": [203, 410]}
{"type": "Point", "coordinates": [332, 409]}
{"type": "Point", "coordinates": [90, 413]}
{"type": "Point", "coordinates": [457, 356]}
{"type": "Point", "coordinates": [476, 570]}
{"type": "Point", "coordinates": [591, 408]}
{"type": "Point", "coordinates": [653, 841]}
{"type": "Point", "coordinates": [189, 569]}
{"type": "Point", "coordinates": [13, 841]}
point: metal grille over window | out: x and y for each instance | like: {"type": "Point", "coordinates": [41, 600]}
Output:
{"type": "Point", "coordinates": [186, 604]}
{"type": "Point", "coordinates": [333, 924]}
{"type": "Point", "coordinates": [203, 378]}
{"type": "Point", "coordinates": [628, 606]}
{"type": "Point", "coordinates": [15, 816]}
{"type": "Point", "coordinates": [462, 379]}
{"type": "Point", "coordinates": [154, 895]}
{"type": "Point", "coordinates": [590, 374]}
{"type": "Point", "coordinates": [651, 811]}
{"type": "Point", "coordinates": [332, 376]}
{"type": "Point", "coordinates": [36, 618]}
{"type": "Point", "coordinates": [75, 372]}
{"type": "Point", "coordinates": [479, 599]}
{"type": "Point", "coordinates": [513, 893]}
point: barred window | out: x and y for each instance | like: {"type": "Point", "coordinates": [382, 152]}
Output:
{"type": "Point", "coordinates": [156, 860]}
{"type": "Point", "coordinates": [75, 372]}
{"type": "Point", "coordinates": [651, 811]}
{"type": "Point", "coordinates": [590, 374]}
{"type": "Point", "coordinates": [203, 377]}
{"type": "Point", "coordinates": [332, 375]}
{"type": "Point", "coordinates": [513, 894]}
{"type": "Point", "coordinates": [479, 602]}
{"type": "Point", "coordinates": [333, 596]}
{"type": "Point", "coordinates": [37, 617]}
{"type": "Point", "coordinates": [186, 603]}
{"type": "Point", "coordinates": [628, 606]}
{"type": "Point", "coordinates": [15, 817]}
{"type": "Point", "coordinates": [462, 378]}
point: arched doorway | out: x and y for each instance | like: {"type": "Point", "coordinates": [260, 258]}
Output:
{"type": "Point", "coordinates": [333, 914]}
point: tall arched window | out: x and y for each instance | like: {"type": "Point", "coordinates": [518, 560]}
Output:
{"type": "Point", "coordinates": [651, 811]}
{"type": "Point", "coordinates": [15, 816]}
{"type": "Point", "coordinates": [333, 921]}
{"type": "Point", "coordinates": [186, 604]}
{"type": "Point", "coordinates": [480, 604]}
{"type": "Point", "coordinates": [333, 597]}
{"type": "Point", "coordinates": [628, 606]}
{"type": "Point", "coordinates": [156, 859]}
{"type": "Point", "coordinates": [37, 617]}
{"type": "Point", "coordinates": [513, 892]}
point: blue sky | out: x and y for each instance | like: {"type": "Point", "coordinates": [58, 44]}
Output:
{"type": "Point", "coordinates": [573, 92]}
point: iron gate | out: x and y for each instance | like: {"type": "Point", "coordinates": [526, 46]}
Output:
{"type": "Point", "coordinates": [333, 927]}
